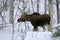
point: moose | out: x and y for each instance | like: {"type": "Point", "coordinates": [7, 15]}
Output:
{"type": "Point", "coordinates": [36, 20]}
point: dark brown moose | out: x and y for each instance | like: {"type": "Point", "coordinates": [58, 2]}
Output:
{"type": "Point", "coordinates": [36, 19]}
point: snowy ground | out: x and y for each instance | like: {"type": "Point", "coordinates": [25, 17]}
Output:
{"type": "Point", "coordinates": [6, 34]}
{"type": "Point", "coordinates": [38, 36]}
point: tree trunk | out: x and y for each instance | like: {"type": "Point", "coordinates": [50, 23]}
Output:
{"type": "Point", "coordinates": [50, 13]}
{"type": "Point", "coordinates": [11, 11]}
{"type": "Point", "coordinates": [11, 14]}
{"type": "Point", "coordinates": [24, 6]}
{"type": "Point", "coordinates": [1, 20]}
{"type": "Point", "coordinates": [32, 5]}
{"type": "Point", "coordinates": [58, 14]}
{"type": "Point", "coordinates": [38, 6]}
{"type": "Point", "coordinates": [45, 6]}
{"type": "Point", "coordinates": [58, 17]}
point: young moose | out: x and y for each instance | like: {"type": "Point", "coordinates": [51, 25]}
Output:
{"type": "Point", "coordinates": [36, 20]}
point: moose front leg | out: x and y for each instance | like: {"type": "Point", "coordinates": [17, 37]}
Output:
{"type": "Point", "coordinates": [35, 28]}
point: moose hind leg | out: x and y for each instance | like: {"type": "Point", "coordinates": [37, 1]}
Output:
{"type": "Point", "coordinates": [44, 29]}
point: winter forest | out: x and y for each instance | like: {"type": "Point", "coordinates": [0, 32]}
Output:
{"type": "Point", "coordinates": [11, 10]}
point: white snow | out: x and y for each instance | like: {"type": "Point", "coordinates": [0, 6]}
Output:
{"type": "Point", "coordinates": [6, 34]}
{"type": "Point", "coordinates": [38, 35]}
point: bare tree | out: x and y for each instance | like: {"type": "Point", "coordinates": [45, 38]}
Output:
{"type": "Point", "coordinates": [57, 6]}
{"type": "Point", "coordinates": [3, 7]}
{"type": "Point", "coordinates": [38, 6]}
{"type": "Point", "coordinates": [32, 5]}
{"type": "Point", "coordinates": [2, 20]}
{"type": "Point", "coordinates": [58, 17]}
{"type": "Point", "coordinates": [11, 14]}
{"type": "Point", "coordinates": [5, 4]}
{"type": "Point", "coordinates": [11, 10]}
{"type": "Point", "coordinates": [24, 6]}
{"type": "Point", "coordinates": [45, 6]}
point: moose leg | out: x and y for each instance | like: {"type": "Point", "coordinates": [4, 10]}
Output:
{"type": "Point", "coordinates": [47, 28]}
{"type": "Point", "coordinates": [50, 28]}
{"type": "Point", "coordinates": [44, 29]}
{"type": "Point", "coordinates": [35, 28]}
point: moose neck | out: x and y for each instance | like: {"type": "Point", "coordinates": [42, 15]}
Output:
{"type": "Point", "coordinates": [28, 18]}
